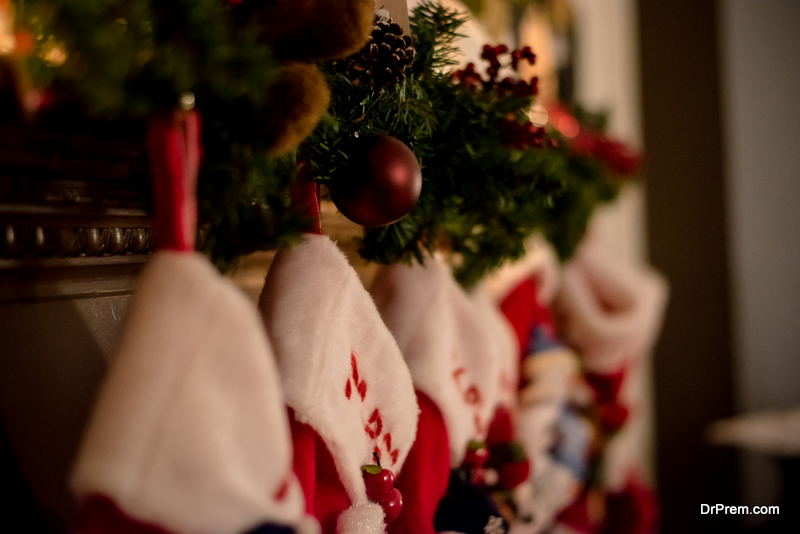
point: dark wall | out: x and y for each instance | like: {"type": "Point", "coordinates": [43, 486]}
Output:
{"type": "Point", "coordinates": [687, 238]}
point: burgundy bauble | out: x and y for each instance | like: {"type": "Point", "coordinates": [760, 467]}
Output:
{"type": "Point", "coordinates": [378, 485]}
{"type": "Point", "coordinates": [392, 505]}
{"type": "Point", "coordinates": [381, 184]}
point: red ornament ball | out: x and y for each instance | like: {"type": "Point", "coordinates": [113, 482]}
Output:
{"type": "Point", "coordinates": [381, 184]}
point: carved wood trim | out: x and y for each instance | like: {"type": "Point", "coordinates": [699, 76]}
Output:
{"type": "Point", "coordinates": [68, 195]}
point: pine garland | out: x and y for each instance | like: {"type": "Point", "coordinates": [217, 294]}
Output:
{"type": "Point", "coordinates": [481, 196]}
{"type": "Point", "coordinates": [490, 178]}
{"type": "Point", "coordinates": [131, 58]}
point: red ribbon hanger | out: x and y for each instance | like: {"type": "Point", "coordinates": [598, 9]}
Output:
{"type": "Point", "coordinates": [173, 147]}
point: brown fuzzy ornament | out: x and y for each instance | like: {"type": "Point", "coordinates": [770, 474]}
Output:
{"type": "Point", "coordinates": [299, 99]}
{"type": "Point", "coordinates": [311, 30]}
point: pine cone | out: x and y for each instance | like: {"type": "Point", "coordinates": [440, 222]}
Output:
{"type": "Point", "coordinates": [383, 60]}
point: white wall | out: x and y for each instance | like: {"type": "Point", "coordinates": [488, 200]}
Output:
{"type": "Point", "coordinates": [760, 58]}
{"type": "Point", "coordinates": [760, 52]}
{"type": "Point", "coordinates": [607, 77]}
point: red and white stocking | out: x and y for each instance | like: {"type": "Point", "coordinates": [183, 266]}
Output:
{"type": "Point", "coordinates": [349, 392]}
{"type": "Point", "coordinates": [189, 433]}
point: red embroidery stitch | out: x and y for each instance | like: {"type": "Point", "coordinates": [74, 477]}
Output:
{"type": "Point", "coordinates": [472, 395]}
{"type": "Point", "coordinates": [480, 428]}
{"type": "Point", "coordinates": [387, 439]}
{"type": "Point", "coordinates": [395, 453]}
{"type": "Point", "coordinates": [378, 452]}
{"type": "Point", "coordinates": [361, 385]}
{"type": "Point", "coordinates": [457, 375]}
{"type": "Point", "coordinates": [354, 365]}
{"type": "Point", "coordinates": [283, 490]}
{"type": "Point", "coordinates": [375, 419]}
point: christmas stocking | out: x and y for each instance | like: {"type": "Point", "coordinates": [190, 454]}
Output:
{"type": "Point", "coordinates": [349, 392]}
{"type": "Point", "coordinates": [501, 429]}
{"type": "Point", "coordinates": [189, 434]}
{"type": "Point", "coordinates": [549, 371]}
{"type": "Point", "coordinates": [456, 366]}
{"type": "Point", "coordinates": [611, 312]}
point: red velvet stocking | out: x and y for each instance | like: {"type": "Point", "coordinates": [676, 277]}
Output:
{"type": "Point", "coordinates": [426, 472]}
{"type": "Point", "coordinates": [325, 495]}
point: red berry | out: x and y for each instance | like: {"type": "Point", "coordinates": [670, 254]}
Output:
{"type": "Point", "coordinates": [476, 456]}
{"type": "Point", "coordinates": [378, 485]}
{"type": "Point", "coordinates": [392, 505]}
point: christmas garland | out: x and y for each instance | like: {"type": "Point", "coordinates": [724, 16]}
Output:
{"type": "Point", "coordinates": [480, 197]}
{"type": "Point", "coordinates": [490, 177]}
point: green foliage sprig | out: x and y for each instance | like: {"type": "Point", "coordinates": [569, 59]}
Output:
{"type": "Point", "coordinates": [132, 58]}
{"type": "Point", "coordinates": [480, 198]}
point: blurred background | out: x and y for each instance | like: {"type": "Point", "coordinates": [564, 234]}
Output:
{"type": "Point", "coordinates": [709, 91]}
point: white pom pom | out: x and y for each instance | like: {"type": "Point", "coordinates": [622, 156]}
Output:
{"type": "Point", "coordinates": [362, 519]}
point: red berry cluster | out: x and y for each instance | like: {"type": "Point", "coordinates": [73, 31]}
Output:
{"type": "Point", "coordinates": [380, 489]}
{"type": "Point", "coordinates": [618, 157]}
{"type": "Point", "coordinates": [524, 53]}
{"type": "Point", "coordinates": [474, 460]}
{"type": "Point", "coordinates": [492, 54]}
{"type": "Point", "coordinates": [516, 135]}
{"type": "Point", "coordinates": [506, 460]}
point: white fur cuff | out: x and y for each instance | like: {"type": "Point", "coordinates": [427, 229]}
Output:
{"type": "Point", "coordinates": [362, 519]}
{"type": "Point", "coordinates": [307, 525]}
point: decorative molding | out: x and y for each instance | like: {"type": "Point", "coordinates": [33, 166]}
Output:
{"type": "Point", "coordinates": [68, 195]}
{"type": "Point", "coordinates": [18, 242]}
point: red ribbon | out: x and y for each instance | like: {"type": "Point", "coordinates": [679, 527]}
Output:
{"type": "Point", "coordinates": [173, 147]}
{"type": "Point", "coordinates": [305, 195]}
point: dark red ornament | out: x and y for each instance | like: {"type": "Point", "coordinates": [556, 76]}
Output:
{"type": "Point", "coordinates": [381, 183]}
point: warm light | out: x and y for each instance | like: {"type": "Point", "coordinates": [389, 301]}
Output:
{"type": "Point", "coordinates": [565, 123]}
{"type": "Point", "coordinates": [7, 41]}
{"type": "Point", "coordinates": [538, 115]}
{"type": "Point", "coordinates": [568, 126]}
{"type": "Point", "coordinates": [55, 56]}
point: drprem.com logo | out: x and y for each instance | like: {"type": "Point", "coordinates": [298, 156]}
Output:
{"type": "Point", "coordinates": [721, 509]}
